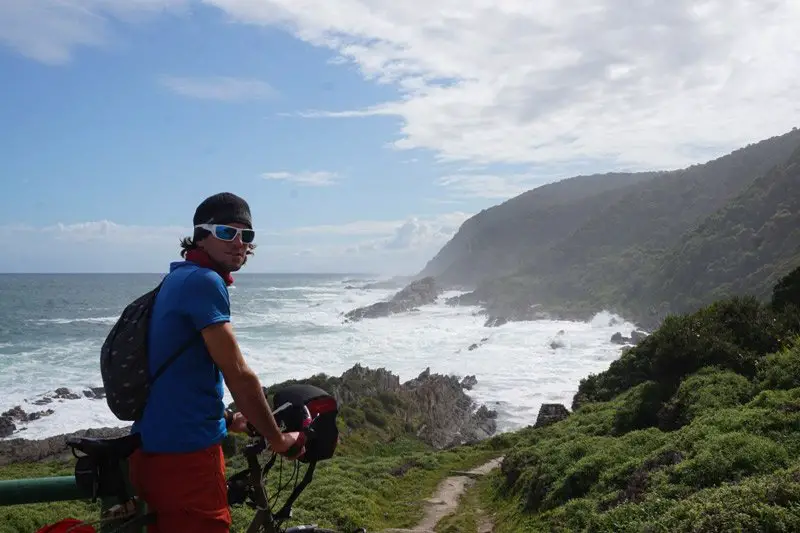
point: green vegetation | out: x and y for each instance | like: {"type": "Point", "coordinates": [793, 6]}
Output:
{"type": "Point", "coordinates": [470, 515]}
{"type": "Point", "coordinates": [696, 429]}
{"type": "Point", "coordinates": [379, 478]}
{"type": "Point", "coordinates": [642, 245]}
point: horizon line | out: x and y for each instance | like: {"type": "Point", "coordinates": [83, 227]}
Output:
{"type": "Point", "coordinates": [272, 273]}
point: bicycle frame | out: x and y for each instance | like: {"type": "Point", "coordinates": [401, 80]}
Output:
{"type": "Point", "coordinates": [264, 521]}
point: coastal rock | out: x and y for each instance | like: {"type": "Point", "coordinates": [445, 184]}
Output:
{"type": "Point", "coordinates": [558, 342]}
{"type": "Point", "coordinates": [437, 407]}
{"type": "Point", "coordinates": [10, 419]}
{"type": "Point", "coordinates": [550, 413]}
{"type": "Point", "coordinates": [63, 393]}
{"type": "Point", "coordinates": [420, 292]}
{"type": "Point", "coordinates": [450, 415]}
{"type": "Point", "coordinates": [495, 321]}
{"type": "Point", "coordinates": [17, 414]}
{"type": "Point", "coordinates": [7, 427]}
{"type": "Point", "coordinates": [617, 338]}
{"type": "Point", "coordinates": [24, 450]}
{"type": "Point", "coordinates": [636, 337]}
{"type": "Point", "coordinates": [95, 393]}
{"type": "Point", "coordinates": [469, 382]}
{"type": "Point", "coordinates": [476, 345]}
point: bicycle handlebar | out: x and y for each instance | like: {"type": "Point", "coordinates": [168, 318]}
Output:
{"type": "Point", "coordinates": [307, 430]}
{"type": "Point", "coordinates": [249, 485]}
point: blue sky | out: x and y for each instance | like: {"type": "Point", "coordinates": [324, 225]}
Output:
{"type": "Point", "coordinates": [362, 133]}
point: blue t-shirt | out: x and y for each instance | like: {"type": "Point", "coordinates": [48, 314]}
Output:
{"type": "Point", "coordinates": [185, 411]}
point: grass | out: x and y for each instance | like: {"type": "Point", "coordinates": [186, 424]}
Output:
{"type": "Point", "coordinates": [379, 477]}
{"type": "Point", "coordinates": [696, 429]}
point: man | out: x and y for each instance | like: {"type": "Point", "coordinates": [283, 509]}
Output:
{"type": "Point", "coordinates": [180, 469]}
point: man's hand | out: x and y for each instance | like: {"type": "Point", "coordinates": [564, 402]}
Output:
{"type": "Point", "coordinates": [291, 446]}
{"type": "Point", "coordinates": [238, 423]}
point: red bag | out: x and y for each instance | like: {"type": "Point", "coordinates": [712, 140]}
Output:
{"type": "Point", "coordinates": [71, 525]}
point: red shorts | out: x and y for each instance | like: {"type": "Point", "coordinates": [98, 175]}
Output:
{"type": "Point", "coordinates": [187, 491]}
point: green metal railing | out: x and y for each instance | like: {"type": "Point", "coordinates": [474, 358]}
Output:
{"type": "Point", "coordinates": [57, 489]}
{"type": "Point", "coordinates": [39, 490]}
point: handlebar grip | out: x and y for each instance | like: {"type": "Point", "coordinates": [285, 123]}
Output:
{"type": "Point", "coordinates": [307, 427]}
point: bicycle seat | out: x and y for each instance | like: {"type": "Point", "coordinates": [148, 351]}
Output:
{"type": "Point", "coordinates": [114, 448]}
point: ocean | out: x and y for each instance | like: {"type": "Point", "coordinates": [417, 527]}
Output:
{"type": "Point", "coordinates": [290, 326]}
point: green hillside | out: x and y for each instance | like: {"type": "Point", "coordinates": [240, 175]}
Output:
{"type": "Point", "coordinates": [742, 248]}
{"type": "Point", "coordinates": [666, 244]}
{"type": "Point", "coordinates": [696, 429]}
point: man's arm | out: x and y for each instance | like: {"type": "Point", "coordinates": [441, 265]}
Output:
{"type": "Point", "coordinates": [244, 385]}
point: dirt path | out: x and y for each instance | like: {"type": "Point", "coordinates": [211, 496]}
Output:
{"type": "Point", "coordinates": [445, 499]}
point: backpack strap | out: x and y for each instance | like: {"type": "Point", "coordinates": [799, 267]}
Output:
{"type": "Point", "coordinates": [180, 350]}
{"type": "Point", "coordinates": [173, 357]}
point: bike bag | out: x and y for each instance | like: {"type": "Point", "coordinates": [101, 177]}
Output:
{"type": "Point", "coordinates": [289, 404]}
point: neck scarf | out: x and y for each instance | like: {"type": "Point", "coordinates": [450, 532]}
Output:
{"type": "Point", "coordinates": [202, 258]}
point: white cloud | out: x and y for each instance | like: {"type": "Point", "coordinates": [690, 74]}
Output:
{"type": "Point", "coordinates": [50, 30]}
{"type": "Point", "coordinates": [388, 247]}
{"type": "Point", "coordinates": [219, 88]}
{"type": "Point", "coordinates": [445, 223]}
{"type": "Point", "coordinates": [647, 84]}
{"type": "Point", "coordinates": [633, 84]}
{"type": "Point", "coordinates": [489, 185]}
{"type": "Point", "coordinates": [113, 233]}
{"type": "Point", "coordinates": [313, 179]}
{"type": "Point", "coordinates": [394, 247]}
{"type": "Point", "coordinates": [358, 227]}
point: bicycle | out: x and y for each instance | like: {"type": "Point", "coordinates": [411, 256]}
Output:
{"type": "Point", "coordinates": [302, 407]}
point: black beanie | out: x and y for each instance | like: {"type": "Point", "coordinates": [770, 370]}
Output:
{"type": "Point", "coordinates": [223, 208]}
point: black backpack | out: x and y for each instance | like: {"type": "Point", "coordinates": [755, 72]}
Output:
{"type": "Point", "coordinates": [288, 403]}
{"type": "Point", "coordinates": [124, 362]}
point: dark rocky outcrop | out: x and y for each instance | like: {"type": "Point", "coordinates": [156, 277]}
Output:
{"type": "Point", "coordinates": [7, 427]}
{"type": "Point", "coordinates": [23, 450]}
{"type": "Point", "coordinates": [17, 414]}
{"type": "Point", "coordinates": [469, 382]}
{"type": "Point", "coordinates": [420, 292]}
{"type": "Point", "coordinates": [10, 419]}
{"type": "Point", "coordinates": [550, 413]}
{"type": "Point", "coordinates": [442, 413]}
{"type": "Point", "coordinates": [636, 337]}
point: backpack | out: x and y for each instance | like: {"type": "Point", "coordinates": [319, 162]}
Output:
{"type": "Point", "coordinates": [124, 362]}
{"type": "Point", "coordinates": [289, 411]}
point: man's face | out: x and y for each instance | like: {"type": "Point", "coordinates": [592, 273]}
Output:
{"type": "Point", "coordinates": [231, 255]}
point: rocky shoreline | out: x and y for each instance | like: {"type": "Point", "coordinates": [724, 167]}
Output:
{"type": "Point", "coordinates": [10, 418]}
{"type": "Point", "coordinates": [497, 310]}
{"type": "Point", "coordinates": [445, 414]}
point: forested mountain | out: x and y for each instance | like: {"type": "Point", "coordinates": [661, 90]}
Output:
{"type": "Point", "coordinates": [745, 247]}
{"type": "Point", "coordinates": [498, 240]}
{"type": "Point", "coordinates": [643, 244]}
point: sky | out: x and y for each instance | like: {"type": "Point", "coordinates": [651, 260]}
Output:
{"type": "Point", "coordinates": [361, 132]}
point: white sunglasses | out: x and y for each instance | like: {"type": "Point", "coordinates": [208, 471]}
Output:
{"type": "Point", "coordinates": [229, 233]}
